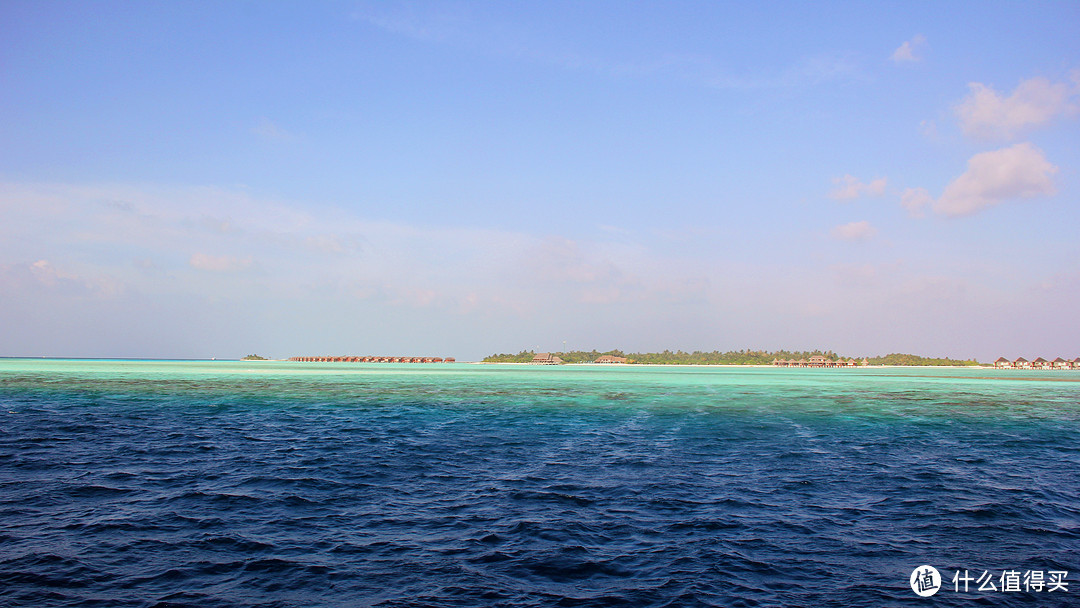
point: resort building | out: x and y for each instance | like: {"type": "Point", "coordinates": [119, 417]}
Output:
{"type": "Point", "coordinates": [545, 359]}
{"type": "Point", "coordinates": [1022, 363]}
{"type": "Point", "coordinates": [610, 359]}
{"type": "Point", "coordinates": [1002, 362]}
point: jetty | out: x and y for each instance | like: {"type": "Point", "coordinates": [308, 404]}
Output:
{"type": "Point", "coordinates": [372, 359]}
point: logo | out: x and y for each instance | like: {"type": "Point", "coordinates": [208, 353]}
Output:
{"type": "Point", "coordinates": [925, 581]}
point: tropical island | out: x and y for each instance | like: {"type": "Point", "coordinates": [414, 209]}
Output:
{"type": "Point", "coordinates": [254, 358]}
{"type": "Point", "coordinates": [733, 357]}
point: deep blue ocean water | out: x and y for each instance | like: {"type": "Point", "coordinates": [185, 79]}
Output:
{"type": "Point", "coordinates": [285, 484]}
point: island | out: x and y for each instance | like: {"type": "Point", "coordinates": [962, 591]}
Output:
{"type": "Point", "coordinates": [697, 357]}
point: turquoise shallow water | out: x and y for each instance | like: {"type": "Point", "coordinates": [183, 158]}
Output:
{"type": "Point", "coordinates": [142, 483]}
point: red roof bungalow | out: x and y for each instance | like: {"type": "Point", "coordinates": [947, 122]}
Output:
{"type": "Point", "coordinates": [447, 360]}
{"type": "Point", "coordinates": [1060, 363]}
{"type": "Point", "coordinates": [1040, 363]}
{"type": "Point", "coordinates": [1003, 363]}
{"type": "Point", "coordinates": [1022, 363]}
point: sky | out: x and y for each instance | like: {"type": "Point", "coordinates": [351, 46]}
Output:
{"type": "Point", "coordinates": [215, 179]}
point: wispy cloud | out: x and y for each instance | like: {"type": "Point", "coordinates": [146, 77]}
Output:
{"type": "Point", "coordinates": [987, 114]}
{"type": "Point", "coordinates": [56, 281]}
{"type": "Point", "coordinates": [194, 234]}
{"type": "Point", "coordinates": [910, 51]}
{"type": "Point", "coordinates": [409, 21]}
{"type": "Point", "coordinates": [267, 129]}
{"type": "Point", "coordinates": [850, 187]}
{"type": "Point", "coordinates": [462, 28]}
{"type": "Point", "coordinates": [216, 263]}
{"type": "Point", "coordinates": [854, 231]}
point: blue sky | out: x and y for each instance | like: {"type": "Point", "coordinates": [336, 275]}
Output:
{"type": "Point", "coordinates": [445, 178]}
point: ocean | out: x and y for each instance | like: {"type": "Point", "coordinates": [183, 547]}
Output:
{"type": "Point", "coordinates": [277, 484]}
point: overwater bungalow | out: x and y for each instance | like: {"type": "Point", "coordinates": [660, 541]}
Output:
{"type": "Point", "coordinates": [818, 361]}
{"type": "Point", "coordinates": [1040, 363]}
{"type": "Point", "coordinates": [1022, 363]}
{"type": "Point", "coordinates": [1003, 363]}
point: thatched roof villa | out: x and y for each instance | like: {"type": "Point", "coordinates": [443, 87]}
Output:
{"type": "Point", "coordinates": [545, 359]}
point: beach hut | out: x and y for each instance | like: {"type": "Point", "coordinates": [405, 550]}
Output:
{"type": "Point", "coordinates": [1002, 362]}
{"type": "Point", "coordinates": [1040, 363]}
{"type": "Point", "coordinates": [1060, 363]}
{"type": "Point", "coordinates": [1022, 363]}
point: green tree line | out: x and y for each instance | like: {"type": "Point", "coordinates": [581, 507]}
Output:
{"type": "Point", "coordinates": [731, 357]}
{"type": "Point", "coordinates": [905, 359]}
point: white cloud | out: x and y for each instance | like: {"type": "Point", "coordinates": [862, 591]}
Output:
{"type": "Point", "coordinates": [854, 231]}
{"type": "Point", "coordinates": [909, 51]}
{"type": "Point", "coordinates": [1019, 171]}
{"type": "Point", "coordinates": [915, 200]}
{"type": "Point", "coordinates": [849, 187]}
{"type": "Point", "coordinates": [987, 114]}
